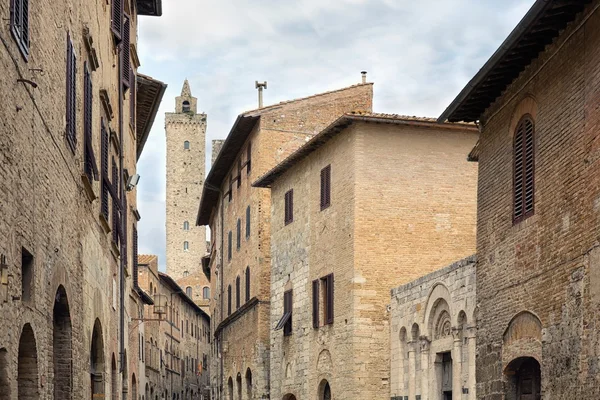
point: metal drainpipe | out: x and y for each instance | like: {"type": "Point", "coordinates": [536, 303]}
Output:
{"type": "Point", "coordinates": [122, 193]}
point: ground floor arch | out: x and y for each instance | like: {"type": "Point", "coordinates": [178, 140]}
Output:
{"type": "Point", "coordinates": [62, 346]}
{"type": "Point", "coordinates": [27, 370]}
{"type": "Point", "coordinates": [524, 379]}
{"type": "Point", "coordinates": [4, 385]}
{"type": "Point", "coordinates": [97, 363]}
{"type": "Point", "coordinates": [324, 390]}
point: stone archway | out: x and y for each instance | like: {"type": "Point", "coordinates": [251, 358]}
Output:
{"type": "Point", "coordinates": [4, 385]}
{"type": "Point", "coordinates": [249, 384]}
{"type": "Point", "coordinates": [27, 374]}
{"type": "Point", "coordinates": [238, 382]}
{"type": "Point", "coordinates": [134, 393]}
{"type": "Point", "coordinates": [324, 390]}
{"type": "Point", "coordinates": [524, 378]}
{"type": "Point", "coordinates": [97, 368]}
{"type": "Point", "coordinates": [62, 346]}
{"type": "Point", "coordinates": [289, 396]}
{"type": "Point", "coordinates": [230, 388]}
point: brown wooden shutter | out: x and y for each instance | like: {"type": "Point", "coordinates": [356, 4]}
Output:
{"type": "Point", "coordinates": [247, 222]}
{"type": "Point", "coordinates": [123, 227]}
{"type": "Point", "coordinates": [116, 24]}
{"type": "Point", "coordinates": [239, 177]}
{"type": "Point", "coordinates": [135, 258]}
{"type": "Point", "coordinates": [238, 234]}
{"type": "Point", "coordinates": [329, 291]}
{"type": "Point", "coordinates": [524, 166]}
{"type": "Point", "coordinates": [229, 300]}
{"type": "Point", "coordinates": [71, 95]}
{"type": "Point", "coordinates": [237, 292]}
{"type": "Point", "coordinates": [325, 187]}
{"type": "Point", "coordinates": [132, 94]}
{"type": "Point", "coordinates": [249, 158]}
{"type": "Point", "coordinates": [288, 309]}
{"type": "Point", "coordinates": [25, 25]}
{"type": "Point", "coordinates": [315, 303]}
{"type": "Point", "coordinates": [115, 209]}
{"type": "Point", "coordinates": [90, 167]}
{"type": "Point", "coordinates": [104, 169]}
{"type": "Point", "coordinates": [289, 206]}
{"type": "Point", "coordinates": [247, 283]}
{"type": "Point", "coordinates": [125, 56]}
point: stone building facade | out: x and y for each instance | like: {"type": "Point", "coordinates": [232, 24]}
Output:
{"type": "Point", "coordinates": [177, 343]}
{"type": "Point", "coordinates": [186, 242]}
{"type": "Point", "coordinates": [372, 201]}
{"type": "Point", "coordinates": [538, 267]}
{"type": "Point", "coordinates": [73, 127]}
{"type": "Point", "coordinates": [238, 214]}
{"type": "Point", "coordinates": [432, 340]}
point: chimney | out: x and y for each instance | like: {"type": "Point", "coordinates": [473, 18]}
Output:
{"type": "Point", "coordinates": [364, 76]}
{"type": "Point", "coordinates": [260, 87]}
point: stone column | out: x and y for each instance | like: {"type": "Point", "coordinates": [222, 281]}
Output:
{"type": "Point", "coordinates": [472, 350]}
{"type": "Point", "coordinates": [457, 364]}
{"type": "Point", "coordinates": [425, 368]}
{"type": "Point", "coordinates": [412, 370]}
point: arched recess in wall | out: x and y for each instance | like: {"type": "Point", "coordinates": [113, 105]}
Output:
{"type": "Point", "coordinates": [188, 291]}
{"type": "Point", "coordinates": [4, 385]}
{"type": "Point", "coordinates": [27, 371]}
{"type": "Point", "coordinates": [239, 386]}
{"type": "Point", "coordinates": [134, 391]}
{"type": "Point", "coordinates": [186, 226]}
{"type": "Point", "coordinates": [324, 390]}
{"type": "Point", "coordinates": [114, 391]}
{"type": "Point", "coordinates": [206, 293]}
{"type": "Point", "coordinates": [289, 396]}
{"type": "Point", "coordinates": [97, 368]}
{"type": "Point", "coordinates": [230, 389]}
{"type": "Point", "coordinates": [522, 337]}
{"type": "Point", "coordinates": [438, 315]}
{"type": "Point", "coordinates": [62, 346]}
{"type": "Point", "coordinates": [186, 145]}
{"type": "Point", "coordinates": [403, 361]}
{"type": "Point", "coordinates": [248, 384]}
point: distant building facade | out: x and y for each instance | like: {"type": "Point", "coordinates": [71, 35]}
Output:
{"type": "Point", "coordinates": [75, 116]}
{"type": "Point", "coordinates": [239, 218]}
{"type": "Point", "coordinates": [372, 201]}
{"type": "Point", "coordinates": [433, 335]}
{"type": "Point", "coordinates": [538, 268]}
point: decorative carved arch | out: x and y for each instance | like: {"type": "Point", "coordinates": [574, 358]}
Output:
{"type": "Point", "coordinates": [438, 293]}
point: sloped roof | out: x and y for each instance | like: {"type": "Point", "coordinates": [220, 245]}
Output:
{"type": "Point", "coordinates": [338, 126]}
{"type": "Point", "coordinates": [148, 97]}
{"type": "Point", "coordinates": [539, 27]}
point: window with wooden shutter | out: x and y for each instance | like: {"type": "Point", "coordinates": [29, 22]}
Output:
{"type": "Point", "coordinates": [229, 237]}
{"type": "Point", "coordinates": [116, 23]}
{"type": "Point", "coordinates": [71, 95]}
{"type": "Point", "coordinates": [132, 94]}
{"type": "Point", "coordinates": [329, 299]}
{"type": "Point", "coordinates": [19, 24]}
{"type": "Point", "coordinates": [285, 322]}
{"type": "Point", "coordinates": [239, 176]}
{"type": "Point", "coordinates": [249, 158]}
{"type": "Point", "coordinates": [89, 160]}
{"type": "Point", "coordinates": [289, 206]}
{"type": "Point", "coordinates": [135, 258]}
{"type": "Point", "coordinates": [125, 56]}
{"type": "Point", "coordinates": [325, 187]}
{"type": "Point", "coordinates": [115, 202]}
{"type": "Point", "coordinates": [238, 234]}
{"type": "Point", "coordinates": [248, 283]}
{"type": "Point", "coordinates": [315, 303]}
{"type": "Point", "coordinates": [104, 170]}
{"type": "Point", "coordinates": [247, 222]}
{"type": "Point", "coordinates": [524, 169]}
{"type": "Point", "coordinates": [237, 292]}
{"type": "Point", "coordinates": [229, 300]}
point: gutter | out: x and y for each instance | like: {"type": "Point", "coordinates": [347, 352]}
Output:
{"type": "Point", "coordinates": [534, 12]}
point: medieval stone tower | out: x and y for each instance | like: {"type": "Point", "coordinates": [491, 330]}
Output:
{"type": "Point", "coordinates": [186, 242]}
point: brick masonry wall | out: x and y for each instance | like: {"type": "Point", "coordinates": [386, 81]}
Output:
{"type": "Point", "coordinates": [546, 265]}
{"type": "Point", "coordinates": [43, 203]}
{"type": "Point", "coordinates": [390, 221]}
{"type": "Point", "coordinates": [281, 130]}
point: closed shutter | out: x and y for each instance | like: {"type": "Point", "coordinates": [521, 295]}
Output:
{"type": "Point", "coordinates": [123, 226]}
{"type": "Point", "coordinates": [90, 168]}
{"type": "Point", "coordinates": [287, 309]}
{"type": "Point", "coordinates": [237, 292]}
{"type": "Point", "coordinates": [19, 23]}
{"type": "Point", "coordinates": [104, 167]}
{"type": "Point", "coordinates": [115, 210]}
{"type": "Point", "coordinates": [325, 187]}
{"type": "Point", "coordinates": [247, 222]}
{"type": "Point", "coordinates": [71, 93]}
{"type": "Point", "coordinates": [135, 258]}
{"type": "Point", "coordinates": [329, 306]}
{"type": "Point", "coordinates": [132, 94]}
{"type": "Point", "coordinates": [289, 206]}
{"type": "Point", "coordinates": [247, 283]}
{"type": "Point", "coordinates": [315, 303]}
{"type": "Point", "coordinates": [249, 158]}
{"type": "Point", "coordinates": [116, 24]}
{"type": "Point", "coordinates": [524, 169]}
{"type": "Point", "coordinates": [239, 233]}
{"type": "Point", "coordinates": [229, 300]}
{"type": "Point", "coordinates": [229, 246]}
{"type": "Point", "coordinates": [239, 177]}
{"type": "Point", "coordinates": [125, 56]}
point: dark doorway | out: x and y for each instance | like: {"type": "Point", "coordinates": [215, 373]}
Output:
{"type": "Point", "coordinates": [97, 363]}
{"type": "Point", "coordinates": [524, 379]}
{"type": "Point", "coordinates": [61, 340]}
{"type": "Point", "coordinates": [27, 372]}
{"type": "Point", "coordinates": [324, 390]}
{"type": "Point", "coordinates": [446, 376]}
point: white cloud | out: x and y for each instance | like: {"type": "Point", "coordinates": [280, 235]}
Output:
{"type": "Point", "coordinates": [419, 54]}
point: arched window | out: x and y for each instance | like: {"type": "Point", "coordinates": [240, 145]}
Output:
{"type": "Point", "coordinates": [229, 300]}
{"type": "Point", "coordinates": [188, 291]}
{"type": "Point", "coordinates": [186, 245]}
{"type": "Point", "coordinates": [237, 292]}
{"type": "Point", "coordinates": [185, 106]}
{"type": "Point", "coordinates": [206, 293]}
{"type": "Point", "coordinates": [186, 273]}
{"type": "Point", "coordinates": [523, 169]}
{"type": "Point", "coordinates": [186, 226]}
{"type": "Point", "coordinates": [247, 283]}
{"type": "Point", "coordinates": [186, 145]}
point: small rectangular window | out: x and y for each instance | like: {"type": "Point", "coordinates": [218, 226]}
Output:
{"type": "Point", "coordinates": [285, 322]}
{"type": "Point", "coordinates": [289, 206]}
{"type": "Point", "coordinates": [238, 234]}
{"type": "Point", "coordinates": [247, 284]}
{"type": "Point", "coordinates": [315, 305]}
{"type": "Point", "coordinates": [125, 56]}
{"type": "Point", "coordinates": [239, 177]}
{"type": "Point", "coordinates": [237, 292]}
{"type": "Point", "coordinates": [328, 299]}
{"type": "Point", "coordinates": [229, 300]}
{"type": "Point", "coordinates": [248, 222]}
{"type": "Point", "coordinates": [230, 193]}
{"type": "Point", "coordinates": [229, 246]}
{"type": "Point", "coordinates": [325, 187]}
{"type": "Point", "coordinates": [26, 274]}
{"type": "Point", "coordinates": [19, 24]}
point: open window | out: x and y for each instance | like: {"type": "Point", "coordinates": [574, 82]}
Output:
{"type": "Point", "coordinates": [285, 322]}
{"type": "Point", "coordinates": [322, 301]}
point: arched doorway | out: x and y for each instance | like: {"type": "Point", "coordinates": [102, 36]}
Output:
{"type": "Point", "coordinates": [249, 384]}
{"type": "Point", "coordinates": [239, 386]}
{"type": "Point", "coordinates": [134, 393]}
{"type": "Point", "coordinates": [4, 385]}
{"type": "Point", "coordinates": [62, 346]}
{"type": "Point", "coordinates": [524, 379]}
{"type": "Point", "coordinates": [113, 377]}
{"type": "Point", "coordinates": [324, 390]}
{"type": "Point", "coordinates": [230, 388]}
{"type": "Point", "coordinates": [289, 396]}
{"type": "Point", "coordinates": [27, 377]}
{"type": "Point", "coordinates": [97, 362]}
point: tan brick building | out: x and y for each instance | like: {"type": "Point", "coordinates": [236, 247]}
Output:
{"type": "Point", "coordinates": [239, 218]}
{"type": "Point", "coordinates": [177, 343]}
{"type": "Point", "coordinates": [186, 242]}
{"type": "Point", "coordinates": [75, 116]}
{"type": "Point", "coordinates": [433, 335]}
{"type": "Point", "coordinates": [538, 266]}
{"type": "Point", "coordinates": [372, 201]}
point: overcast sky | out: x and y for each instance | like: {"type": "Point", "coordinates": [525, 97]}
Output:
{"type": "Point", "coordinates": [418, 54]}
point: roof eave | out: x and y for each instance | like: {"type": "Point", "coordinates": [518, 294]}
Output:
{"type": "Point", "coordinates": [144, 81]}
{"type": "Point", "coordinates": [149, 7]}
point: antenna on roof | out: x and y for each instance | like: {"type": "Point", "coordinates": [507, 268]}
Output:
{"type": "Point", "coordinates": [260, 87]}
{"type": "Point", "coordinates": [364, 76]}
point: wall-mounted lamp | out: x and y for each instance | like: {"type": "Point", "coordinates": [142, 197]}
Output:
{"type": "Point", "coordinates": [132, 182]}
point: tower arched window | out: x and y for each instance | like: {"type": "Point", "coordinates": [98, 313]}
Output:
{"type": "Point", "coordinates": [185, 106]}
{"type": "Point", "coordinates": [206, 293]}
{"type": "Point", "coordinates": [188, 291]}
{"type": "Point", "coordinates": [186, 145]}
{"type": "Point", "coordinates": [186, 245]}
{"type": "Point", "coordinates": [186, 226]}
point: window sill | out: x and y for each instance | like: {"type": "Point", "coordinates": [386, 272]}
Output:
{"type": "Point", "coordinates": [105, 224]}
{"type": "Point", "coordinates": [89, 189]}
